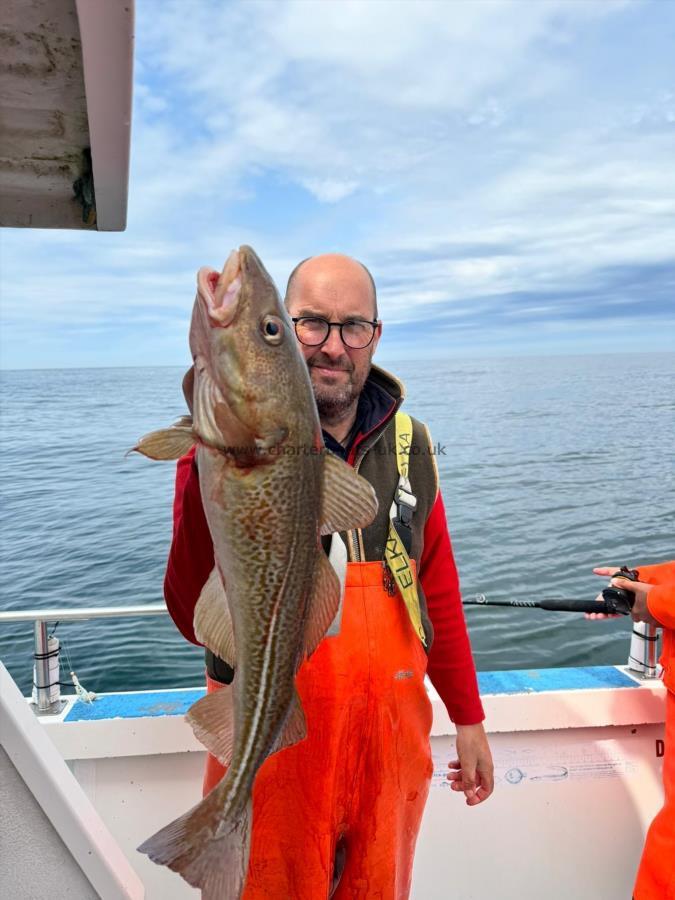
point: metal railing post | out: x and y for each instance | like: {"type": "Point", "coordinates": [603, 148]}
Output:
{"type": "Point", "coordinates": [46, 699]}
{"type": "Point", "coordinates": [644, 650]}
{"type": "Point", "coordinates": [42, 666]}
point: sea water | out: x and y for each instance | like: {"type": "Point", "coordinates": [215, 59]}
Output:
{"type": "Point", "coordinates": [548, 467]}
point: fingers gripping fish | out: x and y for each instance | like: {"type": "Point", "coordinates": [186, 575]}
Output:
{"type": "Point", "coordinates": [269, 489]}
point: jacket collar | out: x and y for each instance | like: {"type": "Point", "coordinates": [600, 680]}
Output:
{"type": "Point", "coordinates": [391, 394]}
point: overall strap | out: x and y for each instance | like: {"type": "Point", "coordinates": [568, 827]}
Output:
{"type": "Point", "coordinates": [399, 539]}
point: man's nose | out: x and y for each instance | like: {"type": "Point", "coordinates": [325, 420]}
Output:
{"type": "Point", "coordinates": [333, 345]}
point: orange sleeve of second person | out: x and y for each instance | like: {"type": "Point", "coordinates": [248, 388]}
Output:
{"type": "Point", "coordinates": [661, 599]}
{"type": "Point", "coordinates": [656, 874]}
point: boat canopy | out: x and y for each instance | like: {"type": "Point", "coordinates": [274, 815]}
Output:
{"type": "Point", "coordinates": [65, 113]}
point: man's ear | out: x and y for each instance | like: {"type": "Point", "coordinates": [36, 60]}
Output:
{"type": "Point", "coordinates": [376, 339]}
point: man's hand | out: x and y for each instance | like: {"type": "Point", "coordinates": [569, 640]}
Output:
{"type": "Point", "coordinates": [607, 572]}
{"type": "Point", "coordinates": [640, 590]}
{"type": "Point", "coordinates": [473, 770]}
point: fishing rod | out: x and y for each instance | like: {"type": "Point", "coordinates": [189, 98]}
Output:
{"type": "Point", "coordinates": [615, 601]}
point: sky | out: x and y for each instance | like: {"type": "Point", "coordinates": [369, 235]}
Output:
{"type": "Point", "coordinates": [505, 169]}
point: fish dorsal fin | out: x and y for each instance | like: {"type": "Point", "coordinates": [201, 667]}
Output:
{"type": "Point", "coordinates": [168, 443]}
{"type": "Point", "coordinates": [295, 726]}
{"type": "Point", "coordinates": [212, 721]}
{"type": "Point", "coordinates": [324, 604]}
{"type": "Point", "coordinates": [212, 620]}
{"type": "Point", "coordinates": [349, 501]}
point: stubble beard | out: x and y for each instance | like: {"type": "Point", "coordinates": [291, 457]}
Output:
{"type": "Point", "coordinates": [334, 402]}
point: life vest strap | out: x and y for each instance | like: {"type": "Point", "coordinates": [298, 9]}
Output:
{"type": "Point", "coordinates": [399, 539]}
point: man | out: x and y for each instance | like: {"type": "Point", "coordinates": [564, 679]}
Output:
{"type": "Point", "coordinates": [654, 594]}
{"type": "Point", "coordinates": [338, 814]}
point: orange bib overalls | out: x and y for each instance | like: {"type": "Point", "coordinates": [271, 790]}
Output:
{"type": "Point", "coordinates": [357, 785]}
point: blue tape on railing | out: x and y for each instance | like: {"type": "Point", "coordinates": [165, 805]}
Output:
{"type": "Point", "coordinates": [527, 681]}
{"type": "Point", "coordinates": [135, 705]}
{"type": "Point", "coordinates": [521, 681]}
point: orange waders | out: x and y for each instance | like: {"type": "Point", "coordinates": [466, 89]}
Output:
{"type": "Point", "coordinates": [656, 875]}
{"type": "Point", "coordinates": [357, 785]}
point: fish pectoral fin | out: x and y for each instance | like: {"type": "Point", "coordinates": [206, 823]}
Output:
{"type": "Point", "coordinates": [295, 726]}
{"type": "Point", "coordinates": [212, 721]}
{"type": "Point", "coordinates": [209, 849]}
{"type": "Point", "coordinates": [349, 501]}
{"type": "Point", "coordinates": [324, 603]}
{"type": "Point", "coordinates": [212, 620]}
{"type": "Point", "coordinates": [169, 443]}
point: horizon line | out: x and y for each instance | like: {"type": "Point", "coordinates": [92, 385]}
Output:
{"type": "Point", "coordinates": [383, 361]}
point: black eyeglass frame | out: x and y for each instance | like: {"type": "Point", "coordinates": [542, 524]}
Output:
{"type": "Point", "coordinates": [374, 324]}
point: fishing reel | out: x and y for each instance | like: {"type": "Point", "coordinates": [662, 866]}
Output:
{"type": "Point", "coordinates": [617, 600]}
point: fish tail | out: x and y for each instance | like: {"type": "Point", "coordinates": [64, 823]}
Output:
{"type": "Point", "coordinates": [209, 850]}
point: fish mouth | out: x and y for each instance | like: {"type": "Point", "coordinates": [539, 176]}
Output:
{"type": "Point", "coordinates": [220, 292]}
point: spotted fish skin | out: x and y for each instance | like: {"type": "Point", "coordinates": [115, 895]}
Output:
{"type": "Point", "coordinates": [267, 488]}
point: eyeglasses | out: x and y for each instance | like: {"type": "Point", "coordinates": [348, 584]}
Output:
{"type": "Point", "coordinates": [312, 331]}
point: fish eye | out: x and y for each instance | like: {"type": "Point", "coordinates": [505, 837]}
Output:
{"type": "Point", "coordinates": [272, 329]}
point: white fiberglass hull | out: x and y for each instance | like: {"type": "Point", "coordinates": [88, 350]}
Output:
{"type": "Point", "coordinates": [578, 766]}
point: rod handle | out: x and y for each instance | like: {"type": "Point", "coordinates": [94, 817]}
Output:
{"type": "Point", "coordinates": [565, 604]}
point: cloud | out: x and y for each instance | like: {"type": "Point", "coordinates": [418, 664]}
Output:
{"type": "Point", "coordinates": [491, 162]}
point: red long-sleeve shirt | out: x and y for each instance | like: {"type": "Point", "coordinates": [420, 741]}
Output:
{"type": "Point", "coordinates": [451, 668]}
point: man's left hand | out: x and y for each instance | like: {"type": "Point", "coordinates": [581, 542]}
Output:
{"type": "Point", "coordinates": [473, 770]}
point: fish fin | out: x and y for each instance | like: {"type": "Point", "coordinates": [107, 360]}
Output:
{"type": "Point", "coordinates": [169, 443]}
{"type": "Point", "coordinates": [349, 501]}
{"type": "Point", "coordinates": [212, 620]}
{"type": "Point", "coordinates": [189, 387]}
{"type": "Point", "coordinates": [183, 422]}
{"type": "Point", "coordinates": [295, 726]}
{"type": "Point", "coordinates": [209, 851]}
{"type": "Point", "coordinates": [324, 604]}
{"type": "Point", "coordinates": [212, 721]}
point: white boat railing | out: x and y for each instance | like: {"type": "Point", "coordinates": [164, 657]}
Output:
{"type": "Point", "coordinates": [45, 702]}
{"type": "Point", "coordinates": [642, 657]}
{"type": "Point", "coordinates": [84, 612]}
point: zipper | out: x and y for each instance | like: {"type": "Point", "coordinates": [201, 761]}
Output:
{"type": "Point", "coordinates": [352, 535]}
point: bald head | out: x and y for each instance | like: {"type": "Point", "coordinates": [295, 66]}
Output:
{"type": "Point", "coordinates": [332, 274]}
{"type": "Point", "coordinates": [338, 289]}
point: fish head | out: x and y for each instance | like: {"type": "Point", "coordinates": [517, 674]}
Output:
{"type": "Point", "coordinates": [251, 385]}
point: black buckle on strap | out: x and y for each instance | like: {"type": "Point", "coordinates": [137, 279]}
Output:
{"type": "Point", "coordinates": [404, 531]}
{"type": "Point", "coordinates": [405, 503]}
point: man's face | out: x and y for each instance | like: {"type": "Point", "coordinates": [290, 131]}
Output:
{"type": "Point", "coordinates": [336, 289]}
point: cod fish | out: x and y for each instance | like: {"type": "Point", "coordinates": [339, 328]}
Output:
{"type": "Point", "coordinates": [269, 490]}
